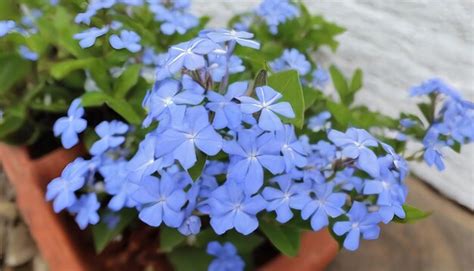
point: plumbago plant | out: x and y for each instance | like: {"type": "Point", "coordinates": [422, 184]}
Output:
{"type": "Point", "coordinates": [235, 141]}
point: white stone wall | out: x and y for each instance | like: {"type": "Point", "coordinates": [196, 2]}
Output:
{"type": "Point", "coordinates": [397, 44]}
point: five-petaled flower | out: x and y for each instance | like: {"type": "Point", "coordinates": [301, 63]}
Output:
{"type": "Point", "coordinates": [361, 222]}
{"type": "Point", "coordinates": [267, 106]}
{"type": "Point", "coordinates": [232, 207]}
{"type": "Point", "coordinates": [162, 201]}
{"type": "Point", "coordinates": [68, 127]}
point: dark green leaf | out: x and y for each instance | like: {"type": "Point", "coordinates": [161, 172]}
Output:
{"type": "Point", "coordinates": [13, 69]}
{"type": "Point", "coordinates": [427, 110]}
{"type": "Point", "coordinates": [288, 84]}
{"type": "Point", "coordinates": [103, 233]}
{"type": "Point", "coordinates": [170, 238]}
{"type": "Point", "coordinates": [127, 80]}
{"type": "Point", "coordinates": [412, 214]}
{"type": "Point", "coordinates": [189, 259]}
{"type": "Point", "coordinates": [12, 121]}
{"type": "Point", "coordinates": [285, 238]}
{"type": "Point", "coordinates": [196, 171]}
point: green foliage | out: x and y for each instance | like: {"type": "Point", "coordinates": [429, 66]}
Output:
{"type": "Point", "coordinates": [289, 85]}
{"type": "Point", "coordinates": [14, 69]}
{"type": "Point", "coordinates": [170, 238]}
{"type": "Point", "coordinates": [196, 171]}
{"type": "Point", "coordinates": [285, 238]}
{"type": "Point", "coordinates": [103, 233]}
{"type": "Point", "coordinates": [412, 214]}
{"type": "Point", "coordinates": [345, 89]}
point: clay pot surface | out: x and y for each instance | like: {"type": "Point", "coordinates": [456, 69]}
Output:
{"type": "Point", "coordinates": [65, 247]}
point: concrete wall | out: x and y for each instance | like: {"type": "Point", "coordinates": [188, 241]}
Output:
{"type": "Point", "coordinates": [397, 44]}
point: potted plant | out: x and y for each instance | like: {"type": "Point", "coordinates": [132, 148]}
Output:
{"type": "Point", "coordinates": [230, 154]}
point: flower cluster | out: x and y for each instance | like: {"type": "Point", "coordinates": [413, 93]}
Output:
{"type": "Point", "coordinates": [292, 59]}
{"type": "Point", "coordinates": [451, 122]}
{"type": "Point", "coordinates": [235, 139]}
{"type": "Point", "coordinates": [276, 12]}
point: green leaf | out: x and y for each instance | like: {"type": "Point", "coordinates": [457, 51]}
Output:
{"type": "Point", "coordinates": [100, 74]}
{"type": "Point", "coordinates": [124, 109]}
{"type": "Point", "coordinates": [285, 238]}
{"type": "Point", "coordinates": [310, 96]}
{"type": "Point", "coordinates": [93, 99]}
{"type": "Point", "coordinates": [13, 120]}
{"type": "Point", "coordinates": [340, 83]}
{"type": "Point", "coordinates": [357, 80]}
{"type": "Point", "coordinates": [196, 171]}
{"type": "Point", "coordinates": [13, 69]}
{"type": "Point", "coordinates": [341, 113]}
{"type": "Point", "coordinates": [170, 238]}
{"type": "Point", "coordinates": [60, 70]}
{"type": "Point", "coordinates": [288, 84]}
{"type": "Point", "coordinates": [189, 258]}
{"type": "Point", "coordinates": [427, 111]}
{"type": "Point", "coordinates": [412, 214]}
{"type": "Point", "coordinates": [103, 233]}
{"type": "Point", "coordinates": [127, 80]}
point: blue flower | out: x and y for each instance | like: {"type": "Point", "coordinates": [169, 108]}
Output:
{"type": "Point", "coordinates": [27, 54]}
{"type": "Point", "coordinates": [267, 106]}
{"type": "Point", "coordinates": [189, 54]}
{"type": "Point", "coordinates": [119, 185]}
{"type": "Point", "coordinates": [167, 98]}
{"type": "Point", "coordinates": [87, 38]}
{"type": "Point", "coordinates": [360, 222]}
{"type": "Point", "coordinates": [226, 259]}
{"type": "Point", "coordinates": [396, 161]}
{"type": "Point", "coordinates": [175, 20]}
{"type": "Point", "coordinates": [320, 77]}
{"type": "Point", "coordinates": [144, 162]}
{"type": "Point", "coordinates": [319, 202]}
{"type": "Point", "coordinates": [231, 208]}
{"type": "Point", "coordinates": [355, 144]}
{"type": "Point", "coordinates": [319, 122]}
{"type": "Point", "coordinates": [111, 136]}
{"type": "Point", "coordinates": [227, 112]}
{"type": "Point", "coordinates": [249, 154]}
{"type": "Point", "coordinates": [162, 201]}
{"type": "Point", "coordinates": [190, 226]}
{"type": "Point", "coordinates": [62, 189]}
{"type": "Point", "coordinates": [86, 208]}
{"type": "Point", "coordinates": [241, 37]}
{"type": "Point", "coordinates": [220, 65]}
{"type": "Point", "coordinates": [291, 59]}
{"type": "Point", "coordinates": [68, 127]}
{"type": "Point", "coordinates": [434, 85]}
{"type": "Point", "coordinates": [127, 40]}
{"type": "Point", "coordinates": [280, 200]}
{"type": "Point", "coordinates": [407, 123]}
{"type": "Point", "coordinates": [181, 138]}
{"type": "Point", "coordinates": [391, 194]}
{"type": "Point", "coordinates": [292, 149]}
{"type": "Point", "coordinates": [275, 12]}
{"type": "Point", "coordinates": [85, 17]}
{"type": "Point", "coordinates": [347, 181]}
{"type": "Point", "coordinates": [433, 154]}
{"type": "Point", "coordinates": [6, 27]}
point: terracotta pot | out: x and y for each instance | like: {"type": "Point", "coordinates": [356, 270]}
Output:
{"type": "Point", "coordinates": [65, 247]}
